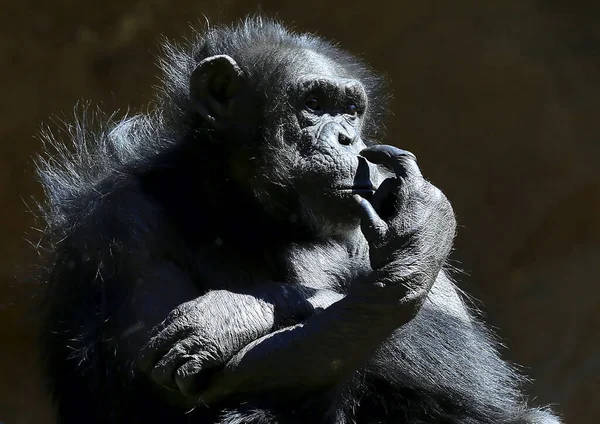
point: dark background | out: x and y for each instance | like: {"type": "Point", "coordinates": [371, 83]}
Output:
{"type": "Point", "coordinates": [499, 99]}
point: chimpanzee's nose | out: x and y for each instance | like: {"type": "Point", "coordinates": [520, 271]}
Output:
{"type": "Point", "coordinates": [347, 137]}
{"type": "Point", "coordinates": [334, 131]}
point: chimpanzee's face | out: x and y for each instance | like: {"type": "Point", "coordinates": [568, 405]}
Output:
{"type": "Point", "coordinates": [318, 140]}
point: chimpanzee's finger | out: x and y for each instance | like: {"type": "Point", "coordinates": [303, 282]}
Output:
{"type": "Point", "coordinates": [159, 345]}
{"type": "Point", "coordinates": [193, 376]}
{"type": "Point", "coordinates": [373, 227]}
{"type": "Point", "coordinates": [384, 197]}
{"type": "Point", "coordinates": [402, 162]}
{"type": "Point", "coordinates": [164, 370]}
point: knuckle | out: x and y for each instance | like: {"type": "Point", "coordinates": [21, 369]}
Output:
{"type": "Point", "coordinates": [171, 333]}
{"type": "Point", "coordinates": [174, 314]}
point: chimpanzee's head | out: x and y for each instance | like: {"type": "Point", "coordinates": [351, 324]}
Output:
{"type": "Point", "coordinates": [293, 113]}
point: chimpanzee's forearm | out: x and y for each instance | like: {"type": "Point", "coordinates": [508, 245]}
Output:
{"type": "Point", "coordinates": [320, 352]}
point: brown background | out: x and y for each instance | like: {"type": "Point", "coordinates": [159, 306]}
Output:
{"type": "Point", "coordinates": [498, 98]}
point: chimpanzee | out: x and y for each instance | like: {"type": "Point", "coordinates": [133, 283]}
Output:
{"type": "Point", "coordinates": [246, 252]}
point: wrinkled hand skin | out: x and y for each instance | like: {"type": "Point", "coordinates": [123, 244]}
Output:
{"type": "Point", "coordinates": [202, 334]}
{"type": "Point", "coordinates": [409, 225]}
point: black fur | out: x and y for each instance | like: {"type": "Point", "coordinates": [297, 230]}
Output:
{"type": "Point", "coordinates": [151, 211]}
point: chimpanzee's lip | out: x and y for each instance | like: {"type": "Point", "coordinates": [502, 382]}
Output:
{"type": "Point", "coordinates": [362, 189]}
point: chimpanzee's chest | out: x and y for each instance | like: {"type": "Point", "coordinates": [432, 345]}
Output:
{"type": "Point", "coordinates": [324, 266]}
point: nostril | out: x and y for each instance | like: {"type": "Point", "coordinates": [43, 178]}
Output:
{"type": "Point", "coordinates": [345, 138]}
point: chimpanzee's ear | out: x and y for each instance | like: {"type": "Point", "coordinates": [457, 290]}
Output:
{"type": "Point", "coordinates": [213, 84]}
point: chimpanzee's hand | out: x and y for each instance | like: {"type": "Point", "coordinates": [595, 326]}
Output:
{"type": "Point", "coordinates": [202, 334]}
{"type": "Point", "coordinates": [409, 225]}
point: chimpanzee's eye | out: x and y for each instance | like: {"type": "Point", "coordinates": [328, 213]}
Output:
{"type": "Point", "coordinates": [313, 104]}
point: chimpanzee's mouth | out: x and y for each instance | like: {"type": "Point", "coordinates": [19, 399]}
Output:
{"type": "Point", "coordinates": [367, 192]}
{"type": "Point", "coordinates": [363, 189]}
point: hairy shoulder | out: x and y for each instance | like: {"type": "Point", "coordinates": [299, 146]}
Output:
{"type": "Point", "coordinates": [87, 164]}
